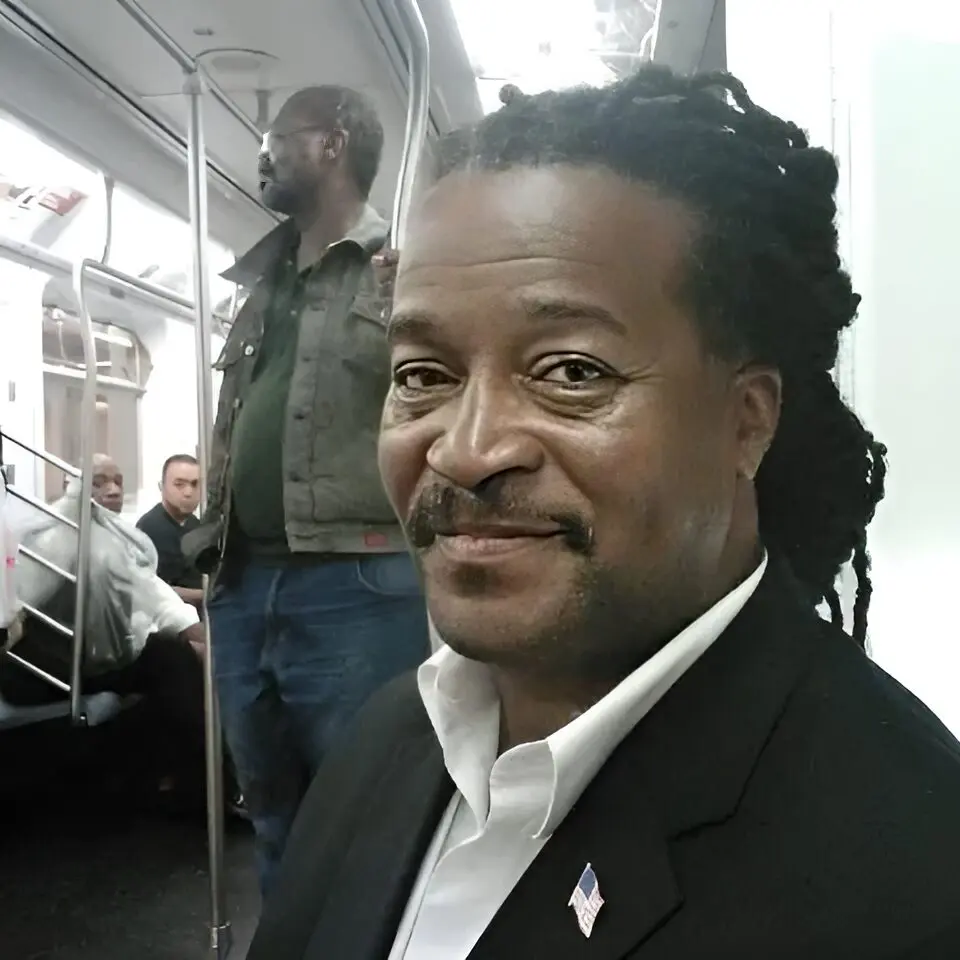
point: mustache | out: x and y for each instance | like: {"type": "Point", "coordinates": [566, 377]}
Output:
{"type": "Point", "coordinates": [439, 508]}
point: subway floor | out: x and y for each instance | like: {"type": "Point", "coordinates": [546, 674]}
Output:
{"type": "Point", "coordinates": [88, 874]}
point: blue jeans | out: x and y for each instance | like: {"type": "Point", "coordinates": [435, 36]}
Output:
{"type": "Point", "coordinates": [297, 651]}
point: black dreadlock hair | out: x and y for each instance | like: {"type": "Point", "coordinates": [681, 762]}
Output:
{"type": "Point", "coordinates": [765, 281]}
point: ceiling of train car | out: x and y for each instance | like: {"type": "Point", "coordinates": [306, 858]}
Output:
{"type": "Point", "coordinates": [692, 36]}
{"type": "Point", "coordinates": [259, 53]}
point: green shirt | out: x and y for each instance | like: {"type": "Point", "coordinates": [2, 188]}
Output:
{"type": "Point", "coordinates": [257, 442]}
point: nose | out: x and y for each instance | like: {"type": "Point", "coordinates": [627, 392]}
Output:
{"type": "Point", "coordinates": [486, 434]}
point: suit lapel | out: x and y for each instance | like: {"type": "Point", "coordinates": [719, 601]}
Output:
{"type": "Point", "coordinates": [614, 830]}
{"type": "Point", "coordinates": [683, 768]}
{"type": "Point", "coordinates": [699, 746]}
{"type": "Point", "coordinates": [366, 900]}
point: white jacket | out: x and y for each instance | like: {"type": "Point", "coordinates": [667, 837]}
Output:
{"type": "Point", "coordinates": [123, 573]}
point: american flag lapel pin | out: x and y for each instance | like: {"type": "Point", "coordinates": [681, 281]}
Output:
{"type": "Point", "coordinates": [586, 900]}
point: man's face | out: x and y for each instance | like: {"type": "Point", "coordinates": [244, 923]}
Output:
{"type": "Point", "coordinates": [294, 159]}
{"type": "Point", "coordinates": [108, 485]}
{"type": "Point", "coordinates": [181, 487]}
{"type": "Point", "coordinates": [572, 467]}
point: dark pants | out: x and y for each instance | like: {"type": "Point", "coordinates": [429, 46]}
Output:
{"type": "Point", "coordinates": [169, 675]}
{"type": "Point", "coordinates": [297, 651]}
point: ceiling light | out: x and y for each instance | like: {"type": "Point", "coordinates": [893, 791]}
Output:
{"type": "Point", "coordinates": [238, 61]}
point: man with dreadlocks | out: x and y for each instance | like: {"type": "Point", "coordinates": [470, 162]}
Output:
{"type": "Point", "coordinates": [629, 481]}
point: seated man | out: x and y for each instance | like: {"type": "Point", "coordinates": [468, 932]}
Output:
{"type": "Point", "coordinates": [140, 637]}
{"type": "Point", "coordinates": [165, 525]}
{"type": "Point", "coordinates": [629, 479]}
{"type": "Point", "coordinates": [167, 522]}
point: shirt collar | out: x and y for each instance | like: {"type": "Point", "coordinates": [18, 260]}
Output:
{"type": "Point", "coordinates": [369, 233]}
{"type": "Point", "coordinates": [461, 703]}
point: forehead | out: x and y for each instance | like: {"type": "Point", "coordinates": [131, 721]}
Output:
{"type": "Point", "coordinates": [318, 112]}
{"type": "Point", "coordinates": [182, 471]}
{"type": "Point", "coordinates": [106, 470]}
{"type": "Point", "coordinates": [588, 225]}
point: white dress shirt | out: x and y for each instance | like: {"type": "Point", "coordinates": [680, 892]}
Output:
{"type": "Point", "coordinates": [505, 808]}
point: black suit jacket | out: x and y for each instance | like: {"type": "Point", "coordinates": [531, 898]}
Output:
{"type": "Point", "coordinates": [786, 800]}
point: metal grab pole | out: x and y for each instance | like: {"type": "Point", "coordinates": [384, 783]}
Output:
{"type": "Point", "coordinates": [187, 63]}
{"type": "Point", "coordinates": [220, 937]}
{"type": "Point", "coordinates": [88, 414]}
{"type": "Point", "coordinates": [418, 113]}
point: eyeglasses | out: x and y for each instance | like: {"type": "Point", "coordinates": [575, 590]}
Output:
{"type": "Point", "coordinates": [286, 134]}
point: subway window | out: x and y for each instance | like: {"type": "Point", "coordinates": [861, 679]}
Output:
{"type": "Point", "coordinates": [123, 368]}
{"type": "Point", "coordinates": [146, 401]}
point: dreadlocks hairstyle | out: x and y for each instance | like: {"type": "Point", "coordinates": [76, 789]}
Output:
{"type": "Point", "coordinates": [764, 279]}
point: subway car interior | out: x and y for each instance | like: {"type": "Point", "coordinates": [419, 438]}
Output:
{"type": "Point", "coordinates": [129, 134]}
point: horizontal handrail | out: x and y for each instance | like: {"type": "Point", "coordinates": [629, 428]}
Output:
{"type": "Point", "coordinates": [42, 507]}
{"type": "Point", "coordinates": [37, 672]}
{"type": "Point", "coordinates": [49, 564]}
{"type": "Point", "coordinates": [144, 286]}
{"type": "Point", "coordinates": [42, 454]}
{"type": "Point", "coordinates": [114, 383]}
{"type": "Point", "coordinates": [30, 255]}
{"type": "Point", "coordinates": [48, 620]}
{"type": "Point", "coordinates": [187, 63]}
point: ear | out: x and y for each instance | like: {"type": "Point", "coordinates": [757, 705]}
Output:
{"type": "Point", "coordinates": [334, 144]}
{"type": "Point", "coordinates": [758, 409]}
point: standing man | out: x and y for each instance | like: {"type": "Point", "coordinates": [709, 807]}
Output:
{"type": "Point", "coordinates": [316, 603]}
{"type": "Point", "coordinates": [629, 478]}
{"type": "Point", "coordinates": [172, 518]}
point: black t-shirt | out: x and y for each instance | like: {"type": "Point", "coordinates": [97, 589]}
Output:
{"type": "Point", "coordinates": [166, 534]}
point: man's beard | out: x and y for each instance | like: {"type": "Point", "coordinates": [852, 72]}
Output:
{"type": "Point", "coordinates": [289, 197]}
{"type": "Point", "coordinates": [595, 629]}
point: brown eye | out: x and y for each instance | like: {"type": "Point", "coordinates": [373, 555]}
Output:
{"type": "Point", "coordinates": [573, 372]}
{"type": "Point", "coordinates": [417, 378]}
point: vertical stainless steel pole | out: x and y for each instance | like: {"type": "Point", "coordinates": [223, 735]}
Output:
{"type": "Point", "coordinates": [418, 113]}
{"type": "Point", "coordinates": [88, 417]}
{"type": "Point", "coordinates": [220, 939]}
